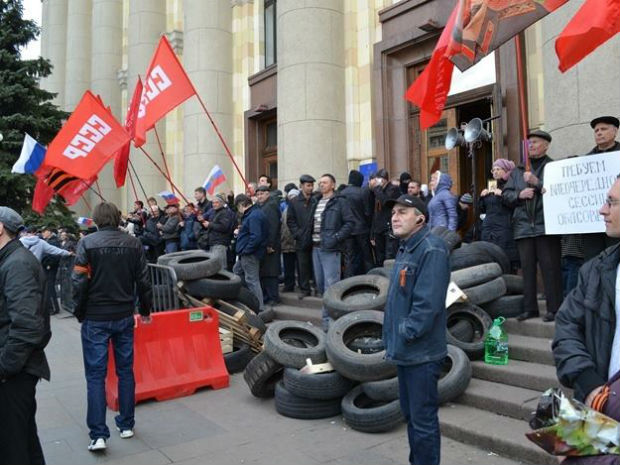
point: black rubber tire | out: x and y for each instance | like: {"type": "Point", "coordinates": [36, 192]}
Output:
{"type": "Point", "coordinates": [462, 330]}
{"type": "Point", "coordinates": [261, 375]}
{"type": "Point", "coordinates": [221, 285]}
{"type": "Point", "coordinates": [195, 266]}
{"type": "Point", "coordinates": [466, 257]}
{"type": "Point", "coordinates": [451, 238]}
{"type": "Point", "coordinates": [268, 315]}
{"type": "Point", "coordinates": [380, 271]}
{"type": "Point", "coordinates": [474, 275]}
{"type": "Point", "coordinates": [364, 414]}
{"type": "Point", "coordinates": [353, 365]}
{"type": "Point", "coordinates": [495, 252]}
{"type": "Point", "coordinates": [246, 297]}
{"type": "Point", "coordinates": [253, 319]}
{"type": "Point", "coordinates": [293, 406]}
{"type": "Point", "coordinates": [486, 292]}
{"type": "Point", "coordinates": [367, 345]}
{"type": "Point", "coordinates": [238, 359]}
{"type": "Point", "coordinates": [166, 258]}
{"type": "Point", "coordinates": [455, 377]}
{"type": "Point", "coordinates": [321, 386]}
{"type": "Point", "coordinates": [481, 322]}
{"type": "Point", "coordinates": [385, 390]}
{"type": "Point", "coordinates": [508, 306]}
{"type": "Point", "coordinates": [514, 284]}
{"type": "Point", "coordinates": [279, 348]}
{"type": "Point", "coordinates": [364, 292]}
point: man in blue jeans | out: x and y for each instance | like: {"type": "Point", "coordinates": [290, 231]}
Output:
{"type": "Point", "coordinates": [109, 265]}
{"type": "Point", "coordinates": [414, 326]}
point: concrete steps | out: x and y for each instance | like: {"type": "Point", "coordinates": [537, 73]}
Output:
{"type": "Point", "coordinates": [527, 348]}
{"type": "Point", "coordinates": [534, 376]}
{"type": "Point", "coordinates": [534, 327]}
{"type": "Point", "coordinates": [291, 299]}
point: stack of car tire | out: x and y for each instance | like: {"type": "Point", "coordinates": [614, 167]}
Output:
{"type": "Point", "coordinates": [203, 277]}
{"type": "Point", "coordinates": [362, 385]}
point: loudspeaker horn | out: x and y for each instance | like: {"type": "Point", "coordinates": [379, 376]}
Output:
{"type": "Point", "coordinates": [454, 138]}
{"type": "Point", "coordinates": [475, 131]}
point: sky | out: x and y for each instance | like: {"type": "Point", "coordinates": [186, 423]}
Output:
{"type": "Point", "coordinates": [32, 10]}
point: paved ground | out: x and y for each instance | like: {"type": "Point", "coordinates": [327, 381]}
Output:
{"type": "Point", "coordinates": [226, 426]}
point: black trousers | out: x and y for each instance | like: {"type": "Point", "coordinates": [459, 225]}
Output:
{"type": "Point", "coordinates": [19, 441]}
{"type": "Point", "coordinates": [271, 293]}
{"type": "Point", "coordinates": [304, 262]}
{"type": "Point", "coordinates": [52, 297]}
{"type": "Point", "coordinates": [289, 260]}
{"type": "Point", "coordinates": [386, 248]}
{"type": "Point", "coordinates": [545, 251]}
{"type": "Point", "coordinates": [357, 255]}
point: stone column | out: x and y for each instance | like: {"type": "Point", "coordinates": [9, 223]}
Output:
{"type": "Point", "coordinates": [107, 59]}
{"type": "Point", "coordinates": [207, 59]}
{"type": "Point", "coordinates": [78, 51]}
{"type": "Point", "coordinates": [54, 46]}
{"type": "Point", "coordinates": [147, 22]}
{"type": "Point", "coordinates": [311, 102]}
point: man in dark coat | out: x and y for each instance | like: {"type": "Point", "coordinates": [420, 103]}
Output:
{"type": "Point", "coordinates": [357, 255]}
{"type": "Point", "coordinates": [216, 234]}
{"type": "Point", "coordinates": [270, 264]}
{"type": "Point", "coordinates": [24, 333]}
{"type": "Point", "coordinates": [151, 237]}
{"type": "Point", "coordinates": [299, 221]}
{"type": "Point", "coordinates": [586, 346]}
{"type": "Point", "coordinates": [251, 245]}
{"type": "Point", "coordinates": [381, 237]}
{"type": "Point", "coordinates": [523, 193]}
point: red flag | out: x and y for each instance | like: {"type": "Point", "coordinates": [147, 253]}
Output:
{"type": "Point", "coordinates": [166, 85]}
{"type": "Point", "coordinates": [595, 23]}
{"type": "Point", "coordinates": [52, 181]}
{"type": "Point", "coordinates": [122, 156]}
{"type": "Point", "coordinates": [87, 141]}
{"type": "Point", "coordinates": [430, 89]}
{"type": "Point", "coordinates": [483, 25]}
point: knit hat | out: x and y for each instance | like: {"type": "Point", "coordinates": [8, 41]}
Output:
{"type": "Point", "coordinates": [222, 198]}
{"type": "Point", "coordinates": [506, 165]}
{"type": "Point", "coordinates": [467, 199]}
{"type": "Point", "coordinates": [356, 178]}
{"type": "Point", "coordinates": [293, 193]}
{"type": "Point", "coordinates": [404, 176]}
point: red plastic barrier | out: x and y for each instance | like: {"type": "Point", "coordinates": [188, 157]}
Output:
{"type": "Point", "coordinates": [175, 354]}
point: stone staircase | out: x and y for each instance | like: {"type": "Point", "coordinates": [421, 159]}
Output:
{"type": "Point", "coordinates": [493, 413]}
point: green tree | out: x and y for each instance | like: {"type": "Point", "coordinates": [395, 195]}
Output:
{"type": "Point", "coordinates": [24, 107]}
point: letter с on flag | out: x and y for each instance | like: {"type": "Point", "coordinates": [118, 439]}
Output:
{"type": "Point", "coordinates": [166, 85]}
{"type": "Point", "coordinates": [87, 141]}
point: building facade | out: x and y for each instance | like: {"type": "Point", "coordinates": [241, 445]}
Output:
{"type": "Point", "coordinates": [316, 86]}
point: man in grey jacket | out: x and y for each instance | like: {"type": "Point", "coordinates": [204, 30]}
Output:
{"type": "Point", "coordinates": [586, 346]}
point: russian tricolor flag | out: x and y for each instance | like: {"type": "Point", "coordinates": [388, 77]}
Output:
{"type": "Point", "coordinates": [87, 222]}
{"type": "Point", "coordinates": [169, 197]}
{"type": "Point", "coordinates": [31, 157]}
{"type": "Point", "coordinates": [215, 178]}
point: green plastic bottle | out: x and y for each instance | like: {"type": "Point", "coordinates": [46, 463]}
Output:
{"type": "Point", "coordinates": [496, 344]}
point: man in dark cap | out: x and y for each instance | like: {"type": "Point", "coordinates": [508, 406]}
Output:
{"type": "Point", "coordinates": [299, 221]}
{"type": "Point", "coordinates": [24, 333]}
{"type": "Point", "coordinates": [270, 263]}
{"type": "Point", "coordinates": [414, 323]}
{"type": "Point", "coordinates": [357, 256]}
{"type": "Point", "coordinates": [380, 235]}
{"type": "Point", "coordinates": [605, 133]}
{"type": "Point", "coordinates": [523, 193]}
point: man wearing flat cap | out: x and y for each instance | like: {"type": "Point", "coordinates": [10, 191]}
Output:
{"type": "Point", "coordinates": [605, 132]}
{"type": "Point", "coordinates": [523, 193]}
{"type": "Point", "coordinates": [24, 333]}
{"type": "Point", "coordinates": [414, 323]}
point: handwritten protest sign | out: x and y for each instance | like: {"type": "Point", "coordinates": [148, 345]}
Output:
{"type": "Point", "coordinates": [576, 189]}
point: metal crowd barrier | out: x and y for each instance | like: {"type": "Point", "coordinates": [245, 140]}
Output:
{"type": "Point", "coordinates": [164, 285]}
{"type": "Point", "coordinates": [64, 288]}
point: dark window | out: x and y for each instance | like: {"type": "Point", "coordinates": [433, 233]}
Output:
{"type": "Point", "coordinates": [270, 33]}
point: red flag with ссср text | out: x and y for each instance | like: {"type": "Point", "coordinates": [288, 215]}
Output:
{"type": "Point", "coordinates": [595, 23]}
{"type": "Point", "coordinates": [87, 141]}
{"type": "Point", "coordinates": [430, 90]}
{"type": "Point", "coordinates": [122, 156]}
{"type": "Point", "coordinates": [166, 85]}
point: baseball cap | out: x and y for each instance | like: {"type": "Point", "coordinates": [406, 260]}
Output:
{"type": "Point", "coordinates": [11, 219]}
{"type": "Point", "coordinates": [408, 201]}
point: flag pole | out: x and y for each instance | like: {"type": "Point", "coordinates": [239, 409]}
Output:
{"type": "Point", "coordinates": [219, 134]}
{"type": "Point", "coordinates": [98, 194]}
{"type": "Point", "coordinates": [138, 179]}
{"type": "Point", "coordinates": [522, 104]}
{"type": "Point", "coordinates": [98, 188]}
{"type": "Point", "coordinates": [90, 209]}
{"type": "Point", "coordinates": [164, 175]}
{"type": "Point", "coordinates": [163, 156]}
{"type": "Point", "coordinates": [133, 186]}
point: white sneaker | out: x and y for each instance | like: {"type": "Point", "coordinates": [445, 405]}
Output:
{"type": "Point", "coordinates": [97, 444]}
{"type": "Point", "coordinates": [125, 433]}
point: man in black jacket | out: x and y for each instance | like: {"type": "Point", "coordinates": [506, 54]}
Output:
{"type": "Point", "coordinates": [24, 333]}
{"type": "Point", "coordinates": [109, 266]}
{"type": "Point", "coordinates": [586, 346]}
{"type": "Point", "coordinates": [523, 193]}
{"type": "Point", "coordinates": [357, 256]}
{"type": "Point", "coordinates": [270, 263]}
{"type": "Point", "coordinates": [217, 233]}
{"type": "Point", "coordinates": [151, 236]}
{"type": "Point", "coordinates": [386, 245]}
{"type": "Point", "coordinates": [299, 221]}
